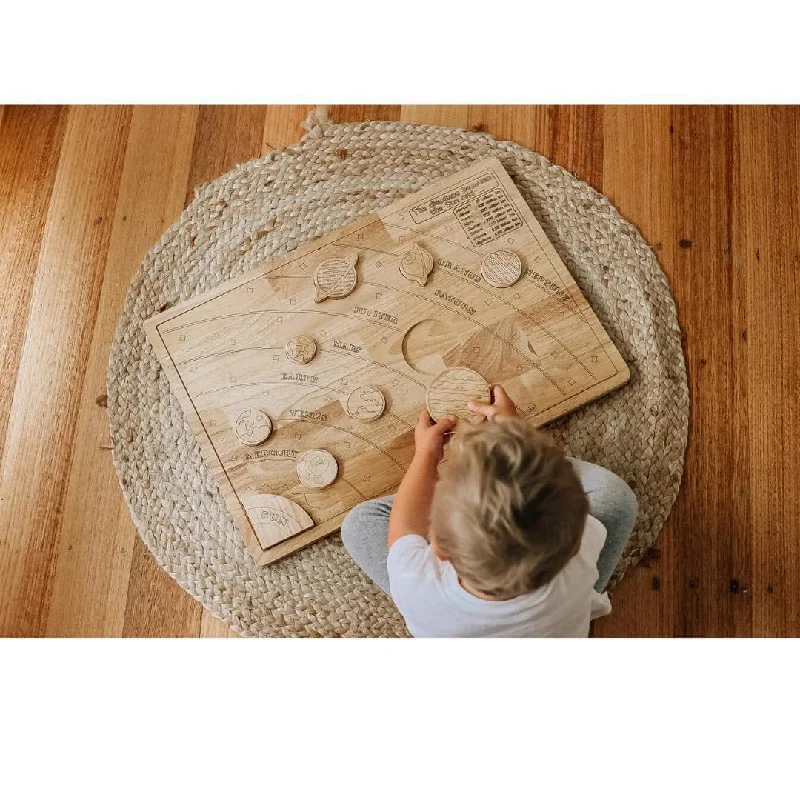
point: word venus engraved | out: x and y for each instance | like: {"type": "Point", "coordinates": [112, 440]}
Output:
{"type": "Point", "coordinates": [330, 351]}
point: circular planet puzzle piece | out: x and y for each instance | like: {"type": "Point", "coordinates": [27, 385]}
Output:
{"type": "Point", "coordinates": [452, 389]}
{"type": "Point", "coordinates": [252, 427]}
{"type": "Point", "coordinates": [416, 264]}
{"type": "Point", "coordinates": [335, 278]}
{"type": "Point", "coordinates": [365, 403]}
{"type": "Point", "coordinates": [300, 349]}
{"type": "Point", "coordinates": [501, 269]}
{"type": "Point", "coordinates": [317, 469]}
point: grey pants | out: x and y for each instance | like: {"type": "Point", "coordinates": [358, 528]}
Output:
{"type": "Point", "coordinates": [611, 501]}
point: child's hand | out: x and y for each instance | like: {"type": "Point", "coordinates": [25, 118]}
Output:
{"type": "Point", "coordinates": [429, 436]}
{"type": "Point", "coordinates": [501, 406]}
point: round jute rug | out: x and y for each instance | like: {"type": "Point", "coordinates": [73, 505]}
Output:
{"type": "Point", "coordinates": [269, 206]}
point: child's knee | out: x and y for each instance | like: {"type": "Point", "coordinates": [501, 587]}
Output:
{"type": "Point", "coordinates": [624, 498]}
{"type": "Point", "coordinates": [613, 496]}
{"type": "Point", "coordinates": [357, 520]}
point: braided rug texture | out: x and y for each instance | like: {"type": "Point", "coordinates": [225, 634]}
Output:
{"type": "Point", "coordinates": [269, 206]}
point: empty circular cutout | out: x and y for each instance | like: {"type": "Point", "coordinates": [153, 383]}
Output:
{"type": "Point", "coordinates": [425, 344]}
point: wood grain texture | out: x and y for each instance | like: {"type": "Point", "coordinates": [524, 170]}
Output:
{"type": "Point", "coordinates": [38, 448]}
{"type": "Point", "coordinates": [547, 348]}
{"type": "Point", "coordinates": [713, 190]}
{"type": "Point", "coordinates": [94, 577]}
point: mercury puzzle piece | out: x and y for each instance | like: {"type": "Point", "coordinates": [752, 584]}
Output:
{"type": "Point", "coordinates": [336, 346]}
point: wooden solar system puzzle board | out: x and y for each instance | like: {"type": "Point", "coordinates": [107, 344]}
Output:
{"type": "Point", "coordinates": [332, 349]}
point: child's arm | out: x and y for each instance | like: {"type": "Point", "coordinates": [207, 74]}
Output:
{"type": "Point", "coordinates": [501, 406]}
{"type": "Point", "coordinates": [412, 503]}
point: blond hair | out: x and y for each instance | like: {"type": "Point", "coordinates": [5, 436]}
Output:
{"type": "Point", "coordinates": [509, 510]}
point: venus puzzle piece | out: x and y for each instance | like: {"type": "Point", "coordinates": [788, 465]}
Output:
{"type": "Point", "coordinates": [450, 392]}
{"type": "Point", "coordinates": [366, 404]}
{"type": "Point", "coordinates": [374, 327]}
{"type": "Point", "coordinates": [253, 427]}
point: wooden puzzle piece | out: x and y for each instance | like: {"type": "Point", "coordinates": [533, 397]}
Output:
{"type": "Point", "coordinates": [300, 349]}
{"type": "Point", "coordinates": [416, 264]}
{"type": "Point", "coordinates": [365, 404]}
{"type": "Point", "coordinates": [317, 469]}
{"type": "Point", "coordinates": [452, 389]}
{"type": "Point", "coordinates": [252, 427]}
{"type": "Point", "coordinates": [501, 269]}
{"type": "Point", "coordinates": [335, 278]}
{"type": "Point", "coordinates": [275, 518]}
{"type": "Point", "coordinates": [225, 351]}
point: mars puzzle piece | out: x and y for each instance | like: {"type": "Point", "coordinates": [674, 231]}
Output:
{"type": "Point", "coordinates": [302, 380]}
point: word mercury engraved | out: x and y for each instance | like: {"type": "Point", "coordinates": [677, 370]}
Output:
{"type": "Point", "coordinates": [258, 454]}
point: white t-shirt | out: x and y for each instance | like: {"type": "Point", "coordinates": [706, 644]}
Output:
{"type": "Point", "coordinates": [433, 602]}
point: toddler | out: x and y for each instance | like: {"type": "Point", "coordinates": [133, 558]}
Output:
{"type": "Point", "coordinates": [509, 538]}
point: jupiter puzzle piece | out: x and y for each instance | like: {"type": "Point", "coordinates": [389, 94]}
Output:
{"type": "Point", "coordinates": [303, 379]}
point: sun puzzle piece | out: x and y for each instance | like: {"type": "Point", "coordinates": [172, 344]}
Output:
{"type": "Point", "coordinates": [317, 469]}
{"type": "Point", "coordinates": [252, 427]}
{"type": "Point", "coordinates": [416, 264]}
{"type": "Point", "coordinates": [335, 278]}
{"type": "Point", "coordinates": [300, 349]}
{"type": "Point", "coordinates": [365, 403]}
{"type": "Point", "coordinates": [275, 517]}
{"type": "Point", "coordinates": [501, 269]}
{"type": "Point", "coordinates": [452, 389]}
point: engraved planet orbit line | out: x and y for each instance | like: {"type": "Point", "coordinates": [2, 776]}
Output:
{"type": "Point", "coordinates": [514, 308]}
{"type": "Point", "coordinates": [527, 316]}
{"type": "Point", "coordinates": [519, 311]}
{"type": "Point", "coordinates": [348, 433]}
{"type": "Point", "coordinates": [552, 267]}
{"type": "Point", "coordinates": [479, 324]}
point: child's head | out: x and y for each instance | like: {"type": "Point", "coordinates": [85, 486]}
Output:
{"type": "Point", "coordinates": [509, 510]}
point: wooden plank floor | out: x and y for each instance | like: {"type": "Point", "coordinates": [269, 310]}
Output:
{"type": "Point", "coordinates": [84, 192]}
